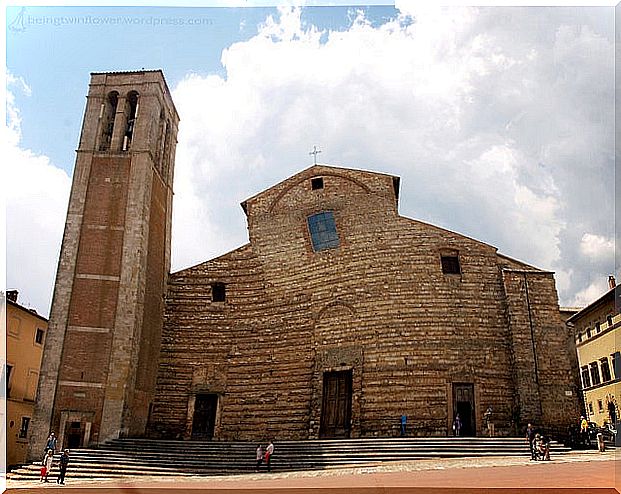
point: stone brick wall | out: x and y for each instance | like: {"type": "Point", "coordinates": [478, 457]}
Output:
{"type": "Point", "coordinates": [155, 279]}
{"type": "Point", "coordinates": [88, 344]}
{"type": "Point", "coordinates": [378, 305]}
{"type": "Point", "coordinates": [546, 391]}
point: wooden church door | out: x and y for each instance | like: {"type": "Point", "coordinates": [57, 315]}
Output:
{"type": "Point", "coordinates": [336, 404]}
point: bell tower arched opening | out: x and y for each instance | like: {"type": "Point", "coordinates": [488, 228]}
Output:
{"type": "Point", "coordinates": [106, 115]}
{"type": "Point", "coordinates": [131, 113]}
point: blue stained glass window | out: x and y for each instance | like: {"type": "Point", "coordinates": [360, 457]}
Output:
{"type": "Point", "coordinates": [323, 231]}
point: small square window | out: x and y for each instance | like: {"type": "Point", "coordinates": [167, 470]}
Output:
{"type": "Point", "coordinates": [450, 264]}
{"type": "Point", "coordinates": [317, 183]}
{"type": "Point", "coordinates": [39, 336]}
{"type": "Point", "coordinates": [218, 292]}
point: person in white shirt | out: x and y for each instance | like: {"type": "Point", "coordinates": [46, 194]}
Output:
{"type": "Point", "coordinates": [259, 457]}
{"type": "Point", "coordinates": [268, 455]}
{"type": "Point", "coordinates": [48, 461]}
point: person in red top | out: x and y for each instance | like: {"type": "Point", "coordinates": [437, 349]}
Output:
{"type": "Point", "coordinates": [47, 463]}
{"type": "Point", "coordinates": [268, 455]}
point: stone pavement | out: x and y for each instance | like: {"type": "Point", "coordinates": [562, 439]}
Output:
{"type": "Point", "coordinates": [579, 472]}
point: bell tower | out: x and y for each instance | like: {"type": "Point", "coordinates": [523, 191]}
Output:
{"type": "Point", "coordinates": [98, 374]}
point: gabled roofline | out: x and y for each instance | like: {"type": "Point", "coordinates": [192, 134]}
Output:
{"type": "Point", "coordinates": [441, 228]}
{"type": "Point", "coordinates": [247, 244]}
{"type": "Point", "coordinates": [26, 309]}
{"type": "Point", "coordinates": [508, 258]}
{"type": "Point", "coordinates": [396, 181]}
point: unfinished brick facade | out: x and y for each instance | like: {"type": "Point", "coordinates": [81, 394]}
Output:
{"type": "Point", "coordinates": [335, 319]}
{"type": "Point", "coordinates": [341, 342]}
{"type": "Point", "coordinates": [98, 375]}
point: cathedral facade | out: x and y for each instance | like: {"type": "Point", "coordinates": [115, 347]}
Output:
{"type": "Point", "coordinates": [340, 315]}
{"type": "Point", "coordinates": [336, 318]}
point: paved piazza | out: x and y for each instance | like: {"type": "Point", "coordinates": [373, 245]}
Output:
{"type": "Point", "coordinates": [572, 473]}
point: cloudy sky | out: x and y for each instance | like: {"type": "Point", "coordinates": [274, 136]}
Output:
{"type": "Point", "coordinates": [498, 120]}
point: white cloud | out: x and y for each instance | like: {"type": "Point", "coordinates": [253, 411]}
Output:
{"type": "Point", "coordinates": [37, 193]}
{"type": "Point", "coordinates": [591, 293]}
{"type": "Point", "coordinates": [498, 120]}
{"type": "Point", "coordinates": [598, 247]}
{"type": "Point", "coordinates": [492, 122]}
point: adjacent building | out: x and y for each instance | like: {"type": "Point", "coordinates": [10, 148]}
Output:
{"type": "Point", "coordinates": [26, 331]}
{"type": "Point", "coordinates": [597, 329]}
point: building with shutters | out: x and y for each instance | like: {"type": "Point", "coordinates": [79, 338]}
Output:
{"type": "Point", "coordinates": [25, 337]}
{"type": "Point", "coordinates": [597, 330]}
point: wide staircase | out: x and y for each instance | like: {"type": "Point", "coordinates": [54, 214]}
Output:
{"type": "Point", "coordinates": [150, 457]}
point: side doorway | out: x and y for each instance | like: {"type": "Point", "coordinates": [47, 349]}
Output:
{"type": "Point", "coordinates": [463, 404]}
{"type": "Point", "coordinates": [336, 404]}
{"type": "Point", "coordinates": [204, 420]}
{"type": "Point", "coordinates": [74, 435]}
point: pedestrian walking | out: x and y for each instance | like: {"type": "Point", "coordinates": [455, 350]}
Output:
{"type": "Point", "coordinates": [46, 465]}
{"type": "Point", "coordinates": [64, 461]}
{"type": "Point", "coordinates": [530, 437]}
{"type": "Point", "coordinates": [259, 457]}
{"type": "Point", "coordinates": [584, 430]}
{"type": "Point", "coordinates": [584, 425]}
{"type": "Point", "coordinates": [51, 443]}
{"type": "Point", "coordinates": [601, 445]}
{"type": "Point", "coordinates": [268, 455]}
{"type": "Point", "coordinates": [457, 425]}
{"type": "Point", "coordinates": [537, 447]}
{"type": "Point", "coordinates": [487, 418]}
{"type": "Point", "coordinates": [404, 421]}
{"type": "Point", "coordinates": [544, 447]}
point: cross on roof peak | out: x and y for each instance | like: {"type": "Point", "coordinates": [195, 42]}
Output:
{"type": "Point", "coordinates": [315, 152]}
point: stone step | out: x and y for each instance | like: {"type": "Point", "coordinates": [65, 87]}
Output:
{"type": "Point", "coordinates": [128, 457]}
{"type": "Point", "coordinates": [204, 448]}
{"type": "Point", "coordinates": [174, 455]}
{"type": "Point", "coordinates": [337, 442]}
{"type": "Point", "coordinates": [142, 459]}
